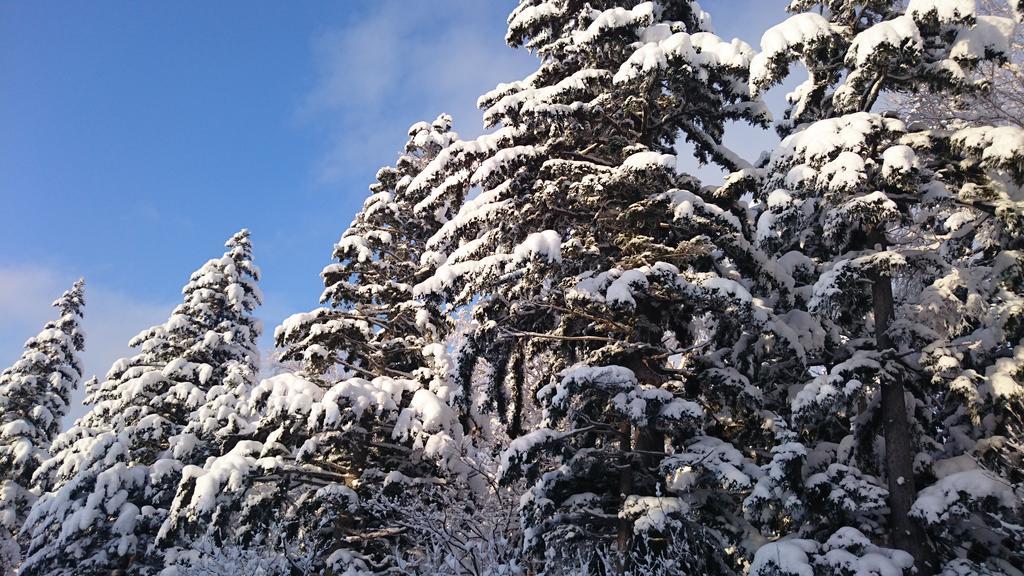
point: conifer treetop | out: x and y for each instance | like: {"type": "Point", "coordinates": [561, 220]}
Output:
{"type": "Point", "coordinates": [114, 473]}
{"type": "Point", "coordinates": [34, 397]}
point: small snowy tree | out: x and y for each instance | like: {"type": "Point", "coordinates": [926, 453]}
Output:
{"type": "Point", "coordinates": [34, 396]}
{"type": "Point", "coordinates": [883, 227]}
{"type": "Point", "coordinates": [372, 415]}
{"type": "Point", "coordinates": [114, 473]}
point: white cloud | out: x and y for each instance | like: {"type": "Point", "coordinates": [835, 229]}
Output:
{"type": "Point", "coordinates": [402, 62]}
{"type": "Point", "coordinates": [112, 317]}
{"type": "Point", "coordinates": [399, 62]}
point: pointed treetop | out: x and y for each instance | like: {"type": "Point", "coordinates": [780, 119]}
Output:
{"type": "Point", "coordinates": [72, 300]}
{"type": "Point", "coordinates": [240, 250]}
{"type": "Point", "coordinates": [70, 304]}
{"type": "Point", "coordinates": [240, 238]}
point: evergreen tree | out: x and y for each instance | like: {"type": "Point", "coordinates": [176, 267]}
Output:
{"type": "Point", "coordinates": [813, 368]}
{"type": "Point", "coordinates": [903, 244]}
{"type": "Point", "coordinates": [34, 397]}
{"type": "Point", "coordinates": [585, 247]}
{"type": "Point", "coordinates": [114, 473]}
{"type": "Point", "coordinates": [229, 349]}
{"type": "Point", "coordinates": [334, 447]}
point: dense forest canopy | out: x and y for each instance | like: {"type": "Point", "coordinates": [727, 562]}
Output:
{"type": "Point", "coordinates": [546, 350]}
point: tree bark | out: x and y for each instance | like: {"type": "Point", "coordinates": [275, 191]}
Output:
{"type": "Point", "coordinates": [906, 533]}
{"type": "Point", "coordinates": [648, 442]}
{"type": "Point", "coordinates": [625, 533]}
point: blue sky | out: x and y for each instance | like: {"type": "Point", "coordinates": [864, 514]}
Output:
{"type": "Point", "coordinates": [138, 136]}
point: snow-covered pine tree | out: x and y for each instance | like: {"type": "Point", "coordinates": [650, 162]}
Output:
{"type": "Point", "coordinates": [904, 244]}
{"type": "Point", "coordinates": [374, 326]}
{"type": "Point", "coordinates": [585, 247]}
{"type": "Point", "coordinates": [114, 473]}
{"type": "Point", "coordinates": [229, 349]}
{"type": "Point", "coordinates": [334, 446]}
{"type": "Point", "coordinates": [34, 396]}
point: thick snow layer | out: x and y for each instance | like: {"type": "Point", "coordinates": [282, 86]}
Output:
{"type": "Point", "coordinates": [897, 34]}
{"type": "Point", "coordinates": [778, 199]}
{"type": "Point", "coordinates": [525, 100]}
{"type": "Point", "coordinates": [441, 165]}
{"type": "Point", "coordinates": [705, 456]}
{"type": "Point", "coordinates": [809, 332]}
{"type": "Point", "coordinates": [999, 146]}
{"type": "Point", "coordinates": [680, 409]}
{"type": "Point", "coordinates": [482, 208]}
{"type": "Point", "coordinates": [519, 448]}
{"type": "Point", "coordinates": [19, 427]}
{"type": "Point", "coordinates": [546, 245]}
{"type": "Point", "coordinates": [647, 160]}
{"type": "Point", "coordinates": [798, 175]}
{"type": "Point", "coordinates": [605, 377]}
{"type": "Point", "coordinates": [652, 513]}
{"type": "Point", "coordinates": [686, 205]}
{"type": "Point", "coordinates": [433, 413]}
{"type": "Point", "coordinates": [1005, 376]}
{"type": "Point", "coordinates": [726, 287]}
{"type": "Point", "coordinates": [447, 275]}
{"type": "Point", "coordinates": [502, 161]}
{"type": "Point", "coordinates": [224, 473]}
{"type": "Point", "coordinates": [823, 140]}
{"type": "Point", "coordinates": [623, 288]}
{"type": "Point", "coordinates": [872, 207]}
{"type": "Point", "coordinates": [695, 52]}
{"type": "Point", "coordinates": [847, 551]}
{"type": "Point", "coordinates": [357, 395]}
{"type": "Point", "coordinates": [796, 31]}
{"type": "Point", "coordinates": [433, 426]}
{"type": "Point", "coordinates": [990, 35]}
{"type": "Point", "coordinates": [297, 322]}
{"type": "Point", "coordinates": [288, 393]}
{"type": "Point", "coordinates": [947, 11]}
{"type": "Point", "coordinates": [636, 405]}
{"type": "Point", "coordinates": [620, 288]}
{"type": "Point", "coordinates": [527, 15]}
{"type": "Point", "coordinates": [639, 16]}
{"type": "Point", "coordinates": [794, 261]}
{"type": "Point", "coordinates": [844, 173]}
{"type": "Point", "coordinates": [948, 497]}
{"type": "Point", "coordinates": [898, 160]}
{"type": "Point", "coordinates": [784, 558]}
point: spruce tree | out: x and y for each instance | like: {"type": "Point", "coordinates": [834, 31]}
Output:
{"type": "Point", "coordinates": [334, 447]}
{"type": "Point", "coordinates": [114, 473]}
{"type": "Point", "coordinates": [903, 244]}
{"type": "Point", "coordinates": [585, 247]}
{"type": "Point", "coordinates": [34, 397]}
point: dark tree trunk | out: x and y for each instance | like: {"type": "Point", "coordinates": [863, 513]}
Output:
{"type": "Point", "coordinates": [647, 443]}
{"type": "Point", "coordinates": [625, 532]}
{"type": "Point", "coordinates": [906, 533]}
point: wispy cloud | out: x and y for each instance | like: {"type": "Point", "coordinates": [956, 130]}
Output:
{"type": "Point", "coordinates": [112, 317]}
{"type": "Point", "coordinates": [401, 62]}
